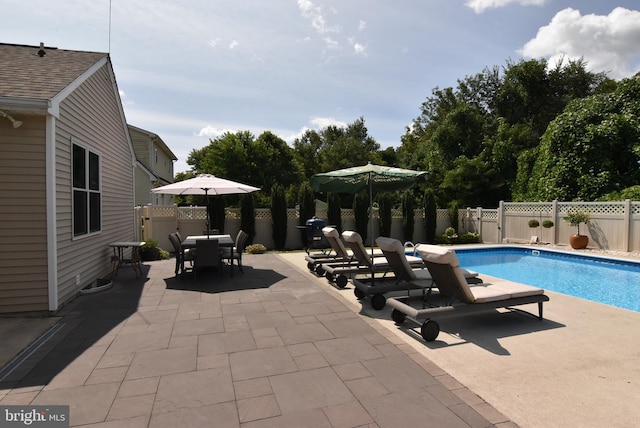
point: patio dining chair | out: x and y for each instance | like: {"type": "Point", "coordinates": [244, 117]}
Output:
{"type": "Point", "coordinates": [235, 252]}
{"type": "Point", "coordinates": [182, 254]}
{"type": "Point", "coordinates": [207, 255]}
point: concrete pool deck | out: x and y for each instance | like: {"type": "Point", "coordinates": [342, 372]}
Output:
{"type": "Point", "coordinates": [580, 366]}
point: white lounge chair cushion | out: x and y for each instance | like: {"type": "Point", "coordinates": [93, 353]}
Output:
{"type": "Point", "coordinates": [330, 232]}
{"type": "Point", "coordinates": [478, 293]}
{"type": "Point", "coordinates": [351, 236]}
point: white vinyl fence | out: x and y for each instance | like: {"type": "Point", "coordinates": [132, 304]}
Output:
{"type": "Point", "coordinates": [613, 226]}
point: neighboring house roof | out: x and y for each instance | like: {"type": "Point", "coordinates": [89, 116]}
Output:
{"type": "Point", "coordinates": [26, 77]}
{"type": "Point", "coordinates": [156, 138]}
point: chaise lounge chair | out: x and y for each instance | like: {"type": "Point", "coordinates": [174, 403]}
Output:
{"type": "Point", "coordinates": [364, 265]}
{"type": "Point", "coordinates": [407, 274]}
{"type": "Point", "coordinates": [456, 297]}
{"type": "Point", "coordinates": [337, 254]}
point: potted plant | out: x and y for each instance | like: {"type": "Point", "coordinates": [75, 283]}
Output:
{"type": "Point", "coordinates": [574, 218]}
{"type": "Point", "coordinates": [534, 223]}
{"type": "Point", "coordinates": [150, 250]}
{"type": "Point", "coordinates": [547, 224]}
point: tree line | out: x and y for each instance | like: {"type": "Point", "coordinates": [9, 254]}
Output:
{"type": "Point", "coordinates": [526, 131]}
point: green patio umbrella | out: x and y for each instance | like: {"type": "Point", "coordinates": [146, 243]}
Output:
{"type": "Point", "coordinates": [376, 178]}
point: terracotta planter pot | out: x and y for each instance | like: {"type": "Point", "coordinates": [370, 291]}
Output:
{"type": "Point", "coordinates": [578, 242]}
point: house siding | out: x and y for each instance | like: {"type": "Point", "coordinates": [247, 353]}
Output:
{"type": "Point", "coordinates": [23, 253]}
{"type": "Point", "coordinates": [143, 187]}
{"type": "Point", "coordinates": [91, 116]}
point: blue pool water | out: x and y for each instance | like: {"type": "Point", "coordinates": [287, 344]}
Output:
{"type": "Point", "coordinates": [610, 281]}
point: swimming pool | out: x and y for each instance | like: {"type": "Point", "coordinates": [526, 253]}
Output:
{"type": "Point", "coordinates": [611, 281]}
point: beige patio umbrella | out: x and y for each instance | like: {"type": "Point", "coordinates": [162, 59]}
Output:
{"type": "Point", "coordinates": [205, 184]}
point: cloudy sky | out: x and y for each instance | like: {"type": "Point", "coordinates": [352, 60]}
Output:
{"type": "Point", "coordinates": [190, 70]}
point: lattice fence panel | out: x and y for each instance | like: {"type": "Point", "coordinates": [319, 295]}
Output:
{"type": "Point", "coordinates": [526, 208]}
{"type": "Point", "coordinates": [593, 208]}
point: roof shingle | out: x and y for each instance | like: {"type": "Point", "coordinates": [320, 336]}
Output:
{"type": "Point", "coordinates": [25, 74]}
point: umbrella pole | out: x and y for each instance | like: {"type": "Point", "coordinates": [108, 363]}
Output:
{"type": "Point", "coordinates": [207, 220]}
{"type": "Point", "coordinates": [371, 226]}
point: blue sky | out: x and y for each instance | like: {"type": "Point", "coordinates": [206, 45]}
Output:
{"type": "Point", "coordinates": [190, 70]}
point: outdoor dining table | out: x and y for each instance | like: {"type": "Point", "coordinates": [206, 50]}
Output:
{"type": "Point", "coordinates": [223, 240]}
{"type": "Point", "coordinates": [190, 242]}
{"type": "Point", "coordinates": [118, 258]}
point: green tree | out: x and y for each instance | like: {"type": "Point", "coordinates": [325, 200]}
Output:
{"type": "Point", "coordinates": [592, 148]}
{"type": "Point", "coordinates": [385, 206]}
{"type": "Point", "coordinates": [361, 213]}
{"type": "Point", "coordinates": [334, 211]}
{"type": "Point", "coordinates": [218, 213]}
{"type": "Point", "coordinates": [241, 157]}
{"type": "Point", "coordinates": [430, 216]}
{"type": "Point", "coordinates": [248, 216]}
{"type": "Point", "coordinates": [307, 204]}
{"type": "Point", "coordinates": [408, 215]}
{"type": "Point", "coordinates": [278, 216]}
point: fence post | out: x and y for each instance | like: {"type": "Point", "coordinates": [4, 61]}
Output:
{"type": "Point", "coordinates": [479, 222]}
{"type": "Point", "coordinates": [500, 221]}
{"type": "Point", "coordinates": [147, 227]}
{"type": "Point", "coordinates": [627, 225]}
{"type": "Point", "coordinates": [556, 220]}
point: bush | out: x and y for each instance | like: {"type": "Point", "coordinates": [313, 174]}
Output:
{"type": "Point", "coordinates": [547, 224]}
{"type": "Point", "coordinates": [256, 249]}
{"type": "Point", "coordinates": [451, 237]}
{"type": "Point", "coordinates": [150, 250]}
{"type": "Point", "coordinates": [534, 223]}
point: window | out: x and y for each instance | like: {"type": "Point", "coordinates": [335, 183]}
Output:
{"type": "Point", "coordinates": [87, 211]}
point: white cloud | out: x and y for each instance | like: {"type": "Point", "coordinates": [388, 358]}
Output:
{"type": "Point", "coordinates": [480, 6]}
{"type": "Point", "coordinates": [234, 44]}
{"type": "Point", "coordinates": [315, 14]}
{"type": "Point", "coordinates": [213, 43]}
{"type": "Point", "coordinates": [323, 122]}
{"type": "Point", "coordinates": [213, 132]}
{"type": "Point", "coordinates": [360, 49]}
{"type": "Point", "coordinates": [608, 43]}
{"type": "Point", "coordinates": [331, 44]}
{"type": "Point", "coordinates": [362, 25]}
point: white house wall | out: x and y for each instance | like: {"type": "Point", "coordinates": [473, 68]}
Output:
{"type": "Point", "coordinates": [92, 115]}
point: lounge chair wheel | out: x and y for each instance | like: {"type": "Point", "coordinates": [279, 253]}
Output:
{"type": "Point", "coordinates": [429, 330]}
{"type": "Point", "coordinates": [378, 301]}
{"type": "Point", "coordinates": [341, 281]}
{"type": "Point", "coordinates": [329, 276]}
{"type": "Point", "coordinates": [310, 266]}
{"type": "Point", "coordinates": [397, 316]}
{"type": "Point", "coordinates": [320, 270]}
{"type": "Point", "coordinates": [359, 293]}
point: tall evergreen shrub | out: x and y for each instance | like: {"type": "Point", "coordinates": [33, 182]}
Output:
{"type": "Point", "coordinates": [454, 207]}
{"type": "Point", "coordinates": [219, 213]}
{"type": "Point", "coordinates": [307, 203]}
{"type": "Point", "coordinates": [430, 216]}
{"type": "Point", "coordinates": [334, 211]}
{"type": "Point", "coordinates": [408, 215]}
{"type": "Point", "coordinates": [247, 216]}
{"type": "Point", "coordinates": [385, 204]}
{"type": "Point", "coordinates": [278, 216]}
{"type": "Point", "coordinates": [361, 213]}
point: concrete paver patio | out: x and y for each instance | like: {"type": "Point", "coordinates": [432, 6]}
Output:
{"type": "Point", "coordinates": [274, 347]}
